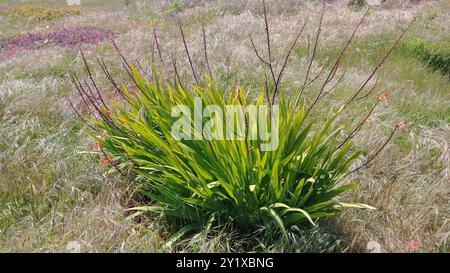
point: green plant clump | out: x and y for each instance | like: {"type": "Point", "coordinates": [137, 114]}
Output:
{"type": "Point", "coordinates": [230, 180]}
{"type": "Point", "coordinates": [203, 177]}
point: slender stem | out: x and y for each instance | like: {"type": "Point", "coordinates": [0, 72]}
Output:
{"type": "Point", "coordinates": [158, 48]}
{"type": "Point", "coordinates": [187, 53]}
{"type": "Point", "coordinates": [379, 64]}
{"type": "Point", "coordinates": [376, 153]}
{"type": "Point", "coordinates": [206, 52]}
{"type": "Point", "coordinates": [269, 47]}
{"type": "Point", "coordinates": [280, 75]}
{"type": "Point", "coordinates": [369, 92]}
{"type": "Point", "coordinates": [332, 88]}
{"type": "Point", "coordinates": [316, 41]}
{"type": "Point", "coordinates": [111, 79]}
{"type": "Point", "coordinates": [79, 115]}
{"type": "Point", "coordinates": [358, 127]}
{"type": "Point", "coordinates": [257, 52]}
{"type": "Point", "coordinates": [174, 63]}
{"type": "Point", "coordinates": [333, 70]}
{"type": "Point", "coordinates": [92, 79]}
{"type": "Point", "coordinates": [266, 91]}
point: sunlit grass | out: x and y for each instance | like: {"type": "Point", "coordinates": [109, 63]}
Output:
{"type": "Point", "coordinates": [50, 194]}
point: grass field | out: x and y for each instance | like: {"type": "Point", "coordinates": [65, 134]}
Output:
{"type": "Point", "coordinates": [55, 196]}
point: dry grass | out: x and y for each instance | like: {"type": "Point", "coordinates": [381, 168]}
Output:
{"type": "Point", "coordinates": [51, 194]}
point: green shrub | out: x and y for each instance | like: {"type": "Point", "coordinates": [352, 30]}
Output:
{"type": "Point", "coordinates": [231, 180]}
{"type": "Point", "coordinates": [204, 179]}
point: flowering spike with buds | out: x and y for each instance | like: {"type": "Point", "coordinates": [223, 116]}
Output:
{"type": "Point", "coordinates": [402, 124]}
{"type": "Point", "coordinates": [383, 97]}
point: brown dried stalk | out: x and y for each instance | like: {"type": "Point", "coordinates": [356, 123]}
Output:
{"type": "Point", "coordinates": [187, 53]}
{"type": "Point", "coordinates": [280, 75]}
{"type": "Point", "coordinates": [358, 127]}
{"type": "Point", "coordinates": [257, 53]}
{"type": "Point", "coordinates": [80, 116]}
{"type": "Point", "coordinates": [92, 79]}
{"type": "Point", "coordinates": [369, 92]}
{"type": "Point", "coordinates": [175, 69]}
{"type": "Point", "coordinates": [275, 78]}
{"type": "Point", "coordinates": [370, 159]}
{"type": "Point", "coordinates": [81, 95]}
{"type": "Point", "coordinates": [334, 87]}
{"type": "Point", "coordinates": [128, 68]}
{"type": "Point", "coordinates": [144, 71]}
{"type": "Point", "coordinates": [124, 61]}
{"type": "Point", "coordinates": [266, 90]}
{"type": "Point", "coordinates": [206, 52]}
{"type": "Point", "coordinates": [158, 48]}
{"type": "Point", "coordinates": [335, 67]}
{"type": "Point", "coordinates": [269, 49]}
{"type": "Point", "coordinates": [379, 64]}
{"type": "Point", "coordinates": [316, 41]}
{"type": "Point", "coordinates": [322, 69]}
{"type": "Point", "coordinates": [108, 75]}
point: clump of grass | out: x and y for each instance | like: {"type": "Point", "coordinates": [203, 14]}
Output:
{"type": "Point", "coordinates": [36, 14]}
{"type": "Point", "coordinates": [209, 181]}
{"type": "Point", "coordinates": [174, 7]}
{"type": "Point", "coordinates": [356, 4]}
{"type": "Point", "coordinates": [434, 56]}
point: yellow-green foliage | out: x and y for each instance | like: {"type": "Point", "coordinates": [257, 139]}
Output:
{"type": "Point", "coordinates": [196, 181]}
{"type": "Point", "coordinates": [39, 14]}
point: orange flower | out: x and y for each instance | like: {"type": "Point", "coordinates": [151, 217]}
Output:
{"type": "Point", "coordinates": [402, 124]}
{"type": "Point", "coordinates": [106, 160]}
{"type": "Point", "coordinates": [383, 97]}
{"type": "Point", "coordinates": [96, 146]}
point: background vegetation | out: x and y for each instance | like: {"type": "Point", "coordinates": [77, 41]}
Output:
{"type": "Point", "coordinates": [54, 195]}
